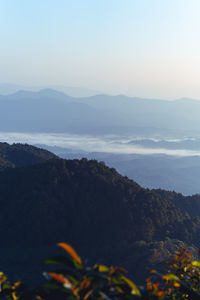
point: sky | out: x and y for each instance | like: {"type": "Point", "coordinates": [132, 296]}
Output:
{"type": "Point", "coordinates": [145, 48]}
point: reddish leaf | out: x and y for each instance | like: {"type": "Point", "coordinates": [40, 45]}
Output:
{"type": "Point", "coordinates": [71, 252]}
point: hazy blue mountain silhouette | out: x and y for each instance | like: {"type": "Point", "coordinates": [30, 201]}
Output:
{"type": "Point", "coordinates": [49, 110]}
{"type": "Point", "coordinates": [43, 111]}
{"type": "Point", "coordinates": [8, 88]}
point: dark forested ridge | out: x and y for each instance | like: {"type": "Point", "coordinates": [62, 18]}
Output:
{"type": "Point", "coordinates": [106, 216]}
{"type": "Point", "coordinates": [189, 204]}
{"type": "Point", "coordinates": [22, 155]}
{"type": "Point", "coordinates": [85, 196]}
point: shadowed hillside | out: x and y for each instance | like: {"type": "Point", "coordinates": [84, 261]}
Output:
{"type": "Point", "coordinates": [189, 204]}
{"type": "Point", "coordinates": [104, 215]}
{"type": "Point", "coordinates": [22, 155]}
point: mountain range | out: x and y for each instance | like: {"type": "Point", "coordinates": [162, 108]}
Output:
{"type": "Point", "coordinates": [8, 88]}
{"type": "Point", "coordinates": [107, 217]}
{"type": "Point", "coordinates": [100, 114]}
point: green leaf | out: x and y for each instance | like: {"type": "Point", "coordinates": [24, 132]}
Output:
{"type": "Point", "coordinates": [104, 296]}
{"type": "Point", "coordinates": [103, 268]}
{"type": "Point", "coordinates": [196, 263]}
{"type": "Point", "coordinates": [52, 286]}
{"type": "Point", "coordinates": [63, 260]}
{"type": "Point", "coordinates": [134, 289]}
{"type": "Point", "coordinates": [171, 277]}
{"type": "Point", "coordinates": [59, 260]}
{"type": "Point", "coordinates": [7, 286]}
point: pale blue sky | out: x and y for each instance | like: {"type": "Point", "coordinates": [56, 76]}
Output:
{"type": "Point", "coordinates": [148, 48]}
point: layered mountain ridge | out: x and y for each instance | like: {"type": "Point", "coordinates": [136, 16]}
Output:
{"type": "Point", "coordinates": [58, 112]}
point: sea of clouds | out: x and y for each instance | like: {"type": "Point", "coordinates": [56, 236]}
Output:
{"type": "Point", "coordinates": [88, 143]}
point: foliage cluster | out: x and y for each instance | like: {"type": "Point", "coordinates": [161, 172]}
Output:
{"type": "Point", "coordinates": [74, 281]}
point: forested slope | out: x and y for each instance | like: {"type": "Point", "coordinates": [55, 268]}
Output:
{"type": "Point", "coordinates": [22, 155]}
{"type": "Point", "coordinates": [104, 215]}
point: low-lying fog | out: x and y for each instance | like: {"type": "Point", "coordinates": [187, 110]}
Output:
{"type": "Point", "coordinates": [109, 143]}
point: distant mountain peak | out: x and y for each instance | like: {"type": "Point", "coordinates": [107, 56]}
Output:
{"type": "Point", "coordinates": [49, 91]}
{"type": "Point", "coordinates": [8, 89]}
{"type": "Point", "coordinates": [23, 93]}
{"type": "Point", "coordinates": [41, 94]}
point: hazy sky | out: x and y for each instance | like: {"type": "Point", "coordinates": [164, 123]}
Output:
{"type": "Point", "coordinates": [148, 48]}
